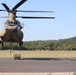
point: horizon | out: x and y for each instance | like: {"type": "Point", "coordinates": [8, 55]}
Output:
{"type": "Point", "coordinates": [51, 39]}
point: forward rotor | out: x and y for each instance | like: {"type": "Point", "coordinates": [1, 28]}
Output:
{"type": "Point", "coordinates": [24, 17]}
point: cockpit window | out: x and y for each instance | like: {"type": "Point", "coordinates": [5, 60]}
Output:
{"type": "Point", "coordinates": [10, 23]}
{"type": "Point", "coordinates": [16, 22]}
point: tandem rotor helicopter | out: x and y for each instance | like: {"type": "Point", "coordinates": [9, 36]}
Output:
{"type": "Point", "coordinates": [12, 27]}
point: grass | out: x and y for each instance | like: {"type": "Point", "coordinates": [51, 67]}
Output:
{"type": "Point", "coordinates": [39, 54]}
{"type": "Point", "coordinates": [75, 73]}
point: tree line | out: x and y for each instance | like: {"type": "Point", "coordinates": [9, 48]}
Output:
{"type": "Point", "coordinates": [51, 45]}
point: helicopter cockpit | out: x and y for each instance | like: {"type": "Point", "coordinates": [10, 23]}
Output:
{"type": "Point", "coordinates": [12, 25]}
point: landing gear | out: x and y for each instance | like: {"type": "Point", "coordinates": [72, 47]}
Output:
{"type": "Point", "coordinates": [21, 43]}
{"type": "Point", "coordinates": [17, 56]}
{"type": "Point", "coordinates": [1, 43]}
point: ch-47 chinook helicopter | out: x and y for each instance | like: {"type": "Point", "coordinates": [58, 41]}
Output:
{"type": "Point", "coordinates": [12, 27]}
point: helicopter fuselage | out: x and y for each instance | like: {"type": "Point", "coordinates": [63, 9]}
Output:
{"type": "Point", "coordinates": [11, 33]}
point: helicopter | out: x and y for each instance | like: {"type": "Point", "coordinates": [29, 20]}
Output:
{"type": "Point", "coordinates": [12, 27]}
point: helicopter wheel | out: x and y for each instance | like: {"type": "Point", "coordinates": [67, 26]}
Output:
{"type": "Point", "coordinates": [20, 43]}
{"type": "Point", "coordinates": [2, 43]}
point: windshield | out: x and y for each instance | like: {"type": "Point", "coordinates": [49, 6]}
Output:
{"type": "Point", "coordinates": [10, 23]}
{"type": "Point", "coordinates": [16, 22]}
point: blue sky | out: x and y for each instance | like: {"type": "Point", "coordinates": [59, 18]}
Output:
{"type": "Point", "coordinates": [64, 26]}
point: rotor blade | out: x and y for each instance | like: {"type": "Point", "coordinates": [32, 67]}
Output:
{"type": "Point", "coordinates": [2, 10]}
{"type": "Point", "coordinates": [4, 17]}
{"type": "Point", "coordinates": [27, 17]}
{"type": "Point", "coordinates": [33, 11]}
{"type": "Point", "coordinates": [6, 7]}
{"type": "Point", "coordinates": [20, 3]}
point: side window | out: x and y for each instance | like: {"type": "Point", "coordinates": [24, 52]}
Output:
{"type": "Point", "coordinates": [17, 22]}
{"type": "Point", "coordinates": [7, 22]}
{"type": "Point", "coordinates": [10, 23]}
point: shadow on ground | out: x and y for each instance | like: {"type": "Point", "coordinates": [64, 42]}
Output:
{"type": "Point", "coordinates": [55, 59]}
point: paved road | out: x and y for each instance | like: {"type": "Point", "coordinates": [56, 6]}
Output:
{"type": "Point", "coordinates": [38, 65]}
